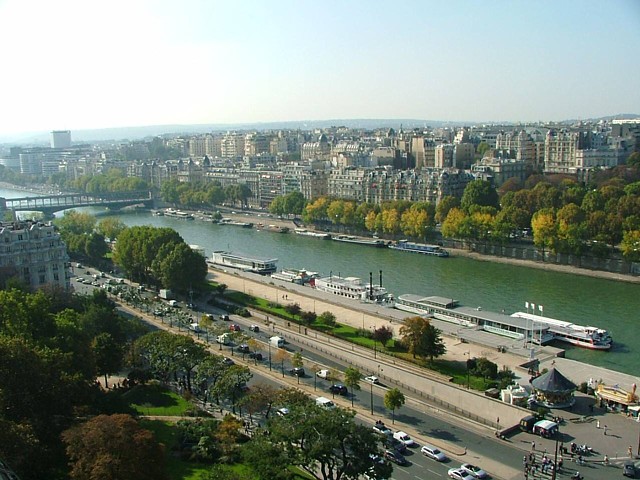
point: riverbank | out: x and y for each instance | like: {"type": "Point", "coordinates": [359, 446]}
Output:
{"type": "Point", "coordinates": [568, 269]}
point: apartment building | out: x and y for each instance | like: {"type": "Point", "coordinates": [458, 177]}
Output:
{"type": "Point", "coordinates": [34, 253]}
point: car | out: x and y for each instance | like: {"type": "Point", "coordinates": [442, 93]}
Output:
{"type": "Point", "coordinates": [392, 443]}
{"type": "Point", "coordinates": [158, 313]}
{"type": "Point", "coordinates": [190, 305]}
{"type": "Point", "coordinates": [323, 373]}
{"type": "Point", "coordinates": [395, 457]}
{"type": "Point", "coordinates": [234, 327]}
{"type": "Point", "coordinates": [282, 411]}
{"type": "Point", "coordinates": [404, 438]}
{"type": "Point", "coordinates": [629, 469]}
{"type": "Point", "coordinates": [372, 379]}
{"type": "Point", "coordinates": [225, 318]}
{"type": "Point", "coordinates": [459, 474]}
{"type": "Point", "coordinates": [79, 279]}
{"type": "Point", "coordinates": [338, 388]}
{"type": "Point", "coordinates": [244, 348]}
{"type": "Point", "coordinates": [382, 429]}
{"type": "Point", "coordinates": [297, 371]}
{"type": "Point", "coordinates": [474, 470]}
{"type": "Point", "coordinates": [228, 361]}
{"type": "Point", "coordinates": [432, 452]}
{"type": "Point", "coordinates": [256, 355]}
{"type": "Point", "coordinates": [254, 328]}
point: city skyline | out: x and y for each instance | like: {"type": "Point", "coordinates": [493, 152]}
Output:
{"type": "Point", "coordinates": [75, 65]}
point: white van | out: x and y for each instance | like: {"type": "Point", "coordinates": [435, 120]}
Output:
{"type": "Point", "coordinates": [324, 402]}
{"type": "Point", "coordinates": [173, 303]}
{"type": "Point", "coordinates": [277, 342]}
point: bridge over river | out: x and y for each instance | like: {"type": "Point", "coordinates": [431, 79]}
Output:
{"type": "Point", "coordinates": [49, 204]}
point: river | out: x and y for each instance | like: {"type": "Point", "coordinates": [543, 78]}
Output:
{"type": "Point", "coordinates": [493, 286]}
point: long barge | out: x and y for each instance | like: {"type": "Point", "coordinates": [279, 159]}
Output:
{"type": "Point", "coordinates": [253, 264]}
{"type": "Point", "coordinates": [360, 241]}
{"type": "Point", "coordinates": [423, 248]}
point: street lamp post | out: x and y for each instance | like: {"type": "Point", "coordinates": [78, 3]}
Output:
{"type": "Point", "coordinates": [269, 345]}
{"type": "Point", "coordinates": [371, 385]}
{"type": "Point", "coordinates": [468, 355]}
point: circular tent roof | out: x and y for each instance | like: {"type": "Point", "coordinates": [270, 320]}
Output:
{"type": "Point", "coordinates": [553, 381]}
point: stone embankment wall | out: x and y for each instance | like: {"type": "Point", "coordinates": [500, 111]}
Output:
{"type": "Point", "coordinates": [529, 253]}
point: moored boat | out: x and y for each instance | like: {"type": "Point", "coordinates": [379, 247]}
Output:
{"type": "Point", "coordinates": [593, 338]}
{"type": "Point", "coordinates": [228, 221]}
{"type": "Point", "coordinates": [301, 277]}
{"type": "Point", "coordinates": [311, 233]}
{"type": "Point", "coordinates": [354, 288]}
{"type": "Point", "coordinates": [254, 264]}
{"type": "Point", "coordinates": [170, 212]}
{"type": "Point", "coordinates": [360, 241]}
{"type": "Point", "coordinates": [425, 249]}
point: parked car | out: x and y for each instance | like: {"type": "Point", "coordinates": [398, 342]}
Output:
{"type": "Point", "coordinates": [244, 348]}
{"type": "Point", "coordinates": [395, 457]}
{"type": "Point", "coordinates": [228, 361]}
{"type": "Point", "coordinates": [297, 371]}
{"type": "Point", "coordinates": [404, 438]}
{"type": "Point", "coordinates": [433, 452]}
{"type": "Point", "coordinates": [382, 429]}
{"type": "Point", "coordinates": [474, 470]}
{"type": "Point", "coordinates": [254, 328]}
{"type": "Point", "coordinates": [372, 379]}
{"type": "Point", "coordinates": [256, 355]}
{"type": "Point", "coordinates": [459, 474]}
{"type": "Point", "coordinates": [282, 411]}
{"type": "Point", "coordinates": [323, 373]}
{"type": "Point", "coordinates": [338, 388]}
{"type": "Point", "coordinates": [234, 327]}
{"type": "Point", "coordinates": [394, 444]}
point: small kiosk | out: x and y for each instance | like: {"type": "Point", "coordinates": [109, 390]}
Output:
{"type": "Point", "coordinates": [616, 399]}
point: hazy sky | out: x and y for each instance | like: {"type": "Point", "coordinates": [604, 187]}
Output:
{"type": "Point", "coordinates": [70, 64]}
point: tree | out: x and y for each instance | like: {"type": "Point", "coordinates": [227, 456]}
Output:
{"type": "Point", "coordinates": [411, 332]}
{"type": "Point", "coordinates": [266, 458]}
{"type": "Point", "coordinates": [327, 318]}
{"type": "Point", "coordinates": [327, 443]}
{"type": "Point", "coordinates": [442, 209]}
{"type": "Point", "coordinates": [179, 267]}
{"type": "Point", "coordinates": [108, 355]}
{"type": "Point", "coordinates": [479, 192]}
{"type": "Point", "coordinates": [630, 246]}
{"type": "Point", "coordinates": [432, 343]}
{"type": "Point", "coordinates": [393, 400]}
{"type": "Point", "coordinates": [293, 309]}
{"type": "Point", "coordinates": [544, 229]}
{"type": "Point", "coordinates": [113, 447]}
{"type": "Point", "coordinates": [633, 160]}
{"type": "Point", "coordinates": [111, 227]}
{"type": "Point", "coordinates": [352, 376]}
{"type": "Point", "coordinates": [383, 335]}
{"type": "Point", "coordinates": [76, 223]}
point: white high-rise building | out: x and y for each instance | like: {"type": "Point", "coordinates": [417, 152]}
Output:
{"type": "Point", "coordinates": [61, 139]}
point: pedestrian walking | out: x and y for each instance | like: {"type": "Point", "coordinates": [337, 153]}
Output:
{"type": "Point", "coordinates": [597, 423]}
{"type": "Point", "coordinates": [533, 446]}
{"type": "Point", "coordinates": [606, 459]}
{"type": "Point", "coordinates": [630, 451]}
{"type": "Point", "coordinates": [605, 430]}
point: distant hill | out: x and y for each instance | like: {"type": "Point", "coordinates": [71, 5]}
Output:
{"type": "Point", "coordinates": [119, 134]}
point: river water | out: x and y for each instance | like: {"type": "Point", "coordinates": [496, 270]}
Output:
{"type": "Point", "coordinates": [492, 286]}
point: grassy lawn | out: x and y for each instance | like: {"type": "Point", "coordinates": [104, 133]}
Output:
{"type": "Point", "coordinates": [156, 400]}
{"type": "Point", "coordinates": [454, 369]}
